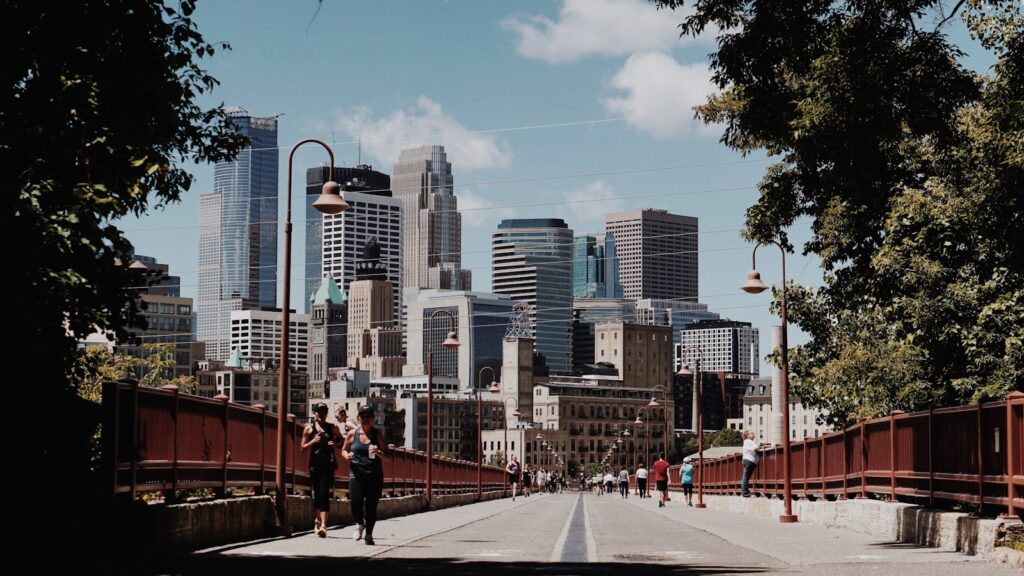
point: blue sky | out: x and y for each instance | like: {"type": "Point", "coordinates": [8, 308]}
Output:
{"type": "Point", "coordinates": [490, 81]}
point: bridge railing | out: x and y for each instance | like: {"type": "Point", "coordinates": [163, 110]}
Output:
{"type": "Point", "coordinates": [159, 440]}
{"type": "Point", "coordinates": [972, 454]}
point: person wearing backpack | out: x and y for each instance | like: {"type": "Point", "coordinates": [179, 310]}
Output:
{"type": "Point", "coordinates": [321, 438]}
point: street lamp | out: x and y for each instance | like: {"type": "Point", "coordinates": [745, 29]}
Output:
{"type": "Point", "coordinates": [698, 382]}
{"type": "Point", "coordinates": [451, 343]}
{"type": "Point", "coordinates": [479, 429]}
{"type": "Point", "coordinates": [654, 404]}
{"type": "Point", "coordinates": [754, 285]}
{"type": "Point", "coordinates": [330, 202]}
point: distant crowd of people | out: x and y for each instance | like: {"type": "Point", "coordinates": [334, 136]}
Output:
{"type": "Point", "coordinates": [526, 480]}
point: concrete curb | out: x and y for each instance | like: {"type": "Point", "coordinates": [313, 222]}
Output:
{"type": "Point", "coordinates": [181, 528]}
{"type": "Point", "coordinates": [899, 522]}
{"type": "Point", "coordinates": [1008, 556]}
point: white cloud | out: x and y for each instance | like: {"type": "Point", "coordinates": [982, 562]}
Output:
{"type": "Point", "coordinates": [426, 123]}
{"type": "Point", "coordinates": [479, 212]}
{"type": "Point", "coordinates": [604, 27]}
{"type": "Point", "coordinates": [590, 204]}
{"type": "Point", "coordinates": [660, 95]}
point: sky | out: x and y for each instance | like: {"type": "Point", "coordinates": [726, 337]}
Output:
{"type": "Point", "coordinates": [567, 108]}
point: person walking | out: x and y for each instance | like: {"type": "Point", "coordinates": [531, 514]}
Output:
{"type": "Point", "coordinates": [641, 481]}
{"type": "Point", "coordinates": [321, 438]}
{"type": "Point", "coordinates": [527, 480]}
{"type": "Point", "coordinates": [624, 482]}
{"type": "Point", "coordinates": [686, 473]}
{"type": "Point", "coordinates": [363, 448]}
{"type": "Point", "coordinates": [660, 468]}
{"type": "Point", "coordinates": [512, 470]}
{"type": "Point", "coordinates": [609, 482]}
{"type": "Point", "coordinates": [750, 459]}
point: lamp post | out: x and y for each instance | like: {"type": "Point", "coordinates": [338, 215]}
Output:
{"type": "Point", "coordinates": [451, 342]}
{"type": "Point", "coordinates": [654, 404]}
{"type": "Point", "coordinates": [698, 382]}
{"type": "Point", "coordinates": [754, 285]}
{"type": "Point", "coordinates": [479, 429]}
{"type": "Point", "coordinates": [329, 202]}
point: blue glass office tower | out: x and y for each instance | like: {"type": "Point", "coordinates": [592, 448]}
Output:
{"type": "Point", "coordinates": [248, 189]}
{"type": "Point", "coordinates": [238, 234]}
{"type": "Point", "coordinates": [595, 267]}
{"type": "Point", "coordinates": [532, 261]}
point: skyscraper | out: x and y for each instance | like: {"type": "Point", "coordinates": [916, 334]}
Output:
{"type": "Point", "coordinates": [374, 342]}
{"type": "Point", "coordinates": [595, 267]}
{"type": "Point", "coordinates": [727, 345]}
{"type": "Point", "coordinates": [657, 253]}
{"type": "Point", "coordinates": [238, 234]}
{"type": "Point", "coordinates": [431, 223]}
{"type": "Point", "coordinates": [531, 260]}
{"type": "Point", "coordinates": [363, 179]}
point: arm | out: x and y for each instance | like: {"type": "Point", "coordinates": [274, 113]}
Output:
{"type": "Point", "coordinates": [308, 438]}
{"type": "Point", "coordinates": [347, 446]}
{"type": "Point", "coordinates": [382, 444]}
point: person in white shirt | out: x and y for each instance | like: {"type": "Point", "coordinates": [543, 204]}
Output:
{"type": "Point", "coordinates": [609, 482]}
{"type": "Point", "coordinates": [641, 482]}
{"type": "Point", "coordinates": [750, 459]}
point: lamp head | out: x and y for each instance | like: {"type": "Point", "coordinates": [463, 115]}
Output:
{"type": "Point", "coordinates": [330, 200]}
{"type": "Point", "coordinates": [451, 342]}
{"type": "Point", "coordinates": [754, 285]}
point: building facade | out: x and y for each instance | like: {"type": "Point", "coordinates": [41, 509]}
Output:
{"type": "Point", "coordinates": [727, 346]}
{"type": "Point", "coordinates": [595, 267]}
{"type": "Point", "coordinates": [362, 179]}
{"type": "Point", "coordinates": [531, 261]}
{"type": "Point", "coordinates": [657, 253]}
{"type": "Point", "coordinates": [252, 383]}
{"type": "Point", "coordinates": [238, 232]}
{"type": "Point", "coordinates": [586, 314]}
{"type": "Point", "coordinates": [431, 223]}
{"type": "Point", "coordinates": [256, 335]}
{"type": "Point", "coordinates": [804, 421]}
{"type": "Point", "coordinates": [482, 320]}
{"type": "Point", "coordinates": [373, 218]}
{"type": "Point", "coordinates": [328, 330]}
{"type": "Point", "coordinates": [641, 353]}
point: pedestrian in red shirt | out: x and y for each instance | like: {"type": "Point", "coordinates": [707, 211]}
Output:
{"type": "Point", "coordinates": [660, 469]}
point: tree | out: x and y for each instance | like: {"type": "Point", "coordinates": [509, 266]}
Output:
{"type": "Point", "coordinates": [910, 169]}
{"type": "Point", "coordinates": [497, 459]}
{"type": "Point", "coordinates": [99, 115]}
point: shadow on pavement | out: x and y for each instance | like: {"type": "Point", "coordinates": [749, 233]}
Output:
{"type": "Point", "coordinates": [218, 565]}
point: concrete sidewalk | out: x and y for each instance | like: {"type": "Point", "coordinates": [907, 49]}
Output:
{"type": "Point", "coordinates": [806, 544]}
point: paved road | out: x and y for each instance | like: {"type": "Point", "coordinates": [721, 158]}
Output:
{"type": "Point", "coordinates": [585, 534]}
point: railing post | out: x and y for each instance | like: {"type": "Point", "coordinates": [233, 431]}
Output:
{"type": "Point", "coordinates": [172, 494]}
{"type": "Point", "coordinates": [263, 447]}
{"type": "Point", "coordinates": [892, 453]}
{"type": "Point", "coordinates": [981, 465]}
{"type": "Point", "coordinates": [821, 469]}
{"type": "Point", "coordinates": [931, 453]}
{"type": "Point", "coordinates": [111, 407]}
{"type": "Point", "coordinates": [863, 462]}
{"type": "Point", "coordinates": [846, 467]}
{"type": "Point", "coordinates": [225, 449]}
{"type": "Point", "coordinates": [1012, 426]}
{"type": "Point", "coordinates": [296, 438]}
{"type": "Point", "coordinates": [135, 440]}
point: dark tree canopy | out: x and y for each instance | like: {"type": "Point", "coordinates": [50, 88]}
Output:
{"type": "Point", "coordinates": [909, 166]}
{"type": "Point", "coordinates": [98, 121]}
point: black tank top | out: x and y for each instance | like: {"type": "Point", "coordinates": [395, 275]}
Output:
{"type": "Point", "coordinates": [322, 456]}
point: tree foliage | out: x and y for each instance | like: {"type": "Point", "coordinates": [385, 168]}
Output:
{"type": "Point", "coordinates": [909, 166]}
{"type": "Point", "coordinates": [98, 121]}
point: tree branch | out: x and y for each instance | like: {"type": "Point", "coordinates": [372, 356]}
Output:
{"type": "Point", "coordinates": [951, 14]}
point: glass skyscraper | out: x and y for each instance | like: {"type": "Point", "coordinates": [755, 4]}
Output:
{"type": "Point", "coordinates": [238, 230]}
{"type": "Point", "coordinates": [531, 260]}
{"type": "Point", "coordinates": [595, 270]}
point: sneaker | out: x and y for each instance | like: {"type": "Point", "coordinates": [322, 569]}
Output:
{"type": "Point", "coordinates": [357, 534]}
{"type": "Point", "coordinates": [689, 504]}
{"type": "Point", "coordinates": [369, 540]}
{"type": "Point", "coordinates": [321, 532]}
{"type": "Point", "coordinates": [316, 525]}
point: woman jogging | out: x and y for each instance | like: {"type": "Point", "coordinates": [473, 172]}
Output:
{"type": "Point", "coordinates": [363, 448]}
{"type": "Point", "coordinates": [321, 439]}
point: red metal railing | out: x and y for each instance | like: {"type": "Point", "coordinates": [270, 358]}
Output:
{"type": "Point", "coordinates": [972, 454]}
{"type": "Point", "coordinates": [161, 440]}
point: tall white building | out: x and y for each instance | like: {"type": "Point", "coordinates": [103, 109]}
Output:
{"type": "Point", "coordinates": [345, 234]}
{"type": "Point", "coordinates": [482, 321]}
{"type": "Point", "coordinates": [256, 334]}
{"type": "Point", "coordinates": [431, 223]}
{"type": "Point", "coordinates": [727, 346]}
